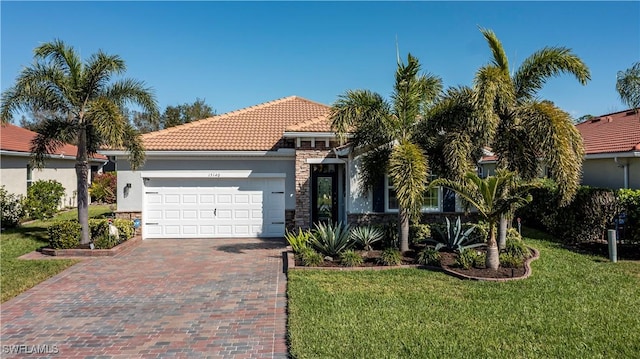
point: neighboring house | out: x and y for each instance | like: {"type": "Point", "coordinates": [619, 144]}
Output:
{"type": "Point", "coordinates": [252, 173]}
{"type": "Point", "coordinates": [612, 144]}
{"type": "Point", "coordinates": [612, 152]}
{"type": "Point", "coordinates": [17, 174]}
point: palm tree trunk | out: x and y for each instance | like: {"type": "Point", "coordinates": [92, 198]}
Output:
{"type": "Point", "coordinates": [403, 225]}
{"type": "Point", "coordinates": [502, 235]}
{"type": "Point", "coordinates": [82, 174]}
{"type": "Point", "coordinates": [493, 256]}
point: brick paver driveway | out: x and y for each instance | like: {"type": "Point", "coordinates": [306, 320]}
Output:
{"type": "Point", "coordinates": [166, 298]}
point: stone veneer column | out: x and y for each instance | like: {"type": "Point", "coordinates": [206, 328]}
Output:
{"type": "Point", "coordinates": [303, 184]}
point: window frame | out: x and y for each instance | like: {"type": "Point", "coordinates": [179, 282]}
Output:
{"type": "Point", "coordinates": [424, 209]}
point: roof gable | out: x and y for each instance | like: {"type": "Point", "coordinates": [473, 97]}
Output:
{"type": "Point", "coordinates": [255, 128]}
{"type": "Point", "coordinates": [615, 132]}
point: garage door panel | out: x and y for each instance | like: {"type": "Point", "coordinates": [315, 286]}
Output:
{"type": "Point", "coordinates": [206, 208]}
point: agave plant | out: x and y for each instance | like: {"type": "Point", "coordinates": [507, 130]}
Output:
{"type": "Point", "coordinates": [365, 236]}
{"type": "Point", "coordinates": [331, 239]}
{"type": "Point", "coordinates": [455, 238]}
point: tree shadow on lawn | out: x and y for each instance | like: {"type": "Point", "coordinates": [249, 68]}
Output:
{"type": "Point", "coordinates": [37, 233]}
{"type": "Point", "coordinates": [265, 243]}
{"type": "Point", "coordinates": [625, 251]}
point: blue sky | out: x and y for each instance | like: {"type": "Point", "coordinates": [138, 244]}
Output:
{"type": "Point", "coordinates": [243, 53]}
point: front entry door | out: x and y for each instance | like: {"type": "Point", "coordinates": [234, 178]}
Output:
{"type": "Point", "coordinates": [324, 193]}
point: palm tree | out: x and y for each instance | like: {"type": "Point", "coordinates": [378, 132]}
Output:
{"type": "Point", "coordinates": [492, 197]}
{"type": "Point", "coordinates": [628, 86]}
{"type": "Point", "coordinates": [388, 132]}
{"type": "Point", "coordinates": [83, 107]}
{"type": "Point", "coordinates": [524, 129]}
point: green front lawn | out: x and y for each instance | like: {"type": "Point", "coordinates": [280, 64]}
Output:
{"type": "Point", "coordinates": [574, 306]}
{"type": "Point", "coordinates": [17, 275]}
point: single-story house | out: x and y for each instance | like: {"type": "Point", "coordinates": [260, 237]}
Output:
{"type": "Point", "coordinates": [17, 174]}
{"type": "Point", "coordinates": [612, 152]}
{"type": "Point", "coordinates": [612, 145]}
{"type": "Point", "coordinates": [252, 173]}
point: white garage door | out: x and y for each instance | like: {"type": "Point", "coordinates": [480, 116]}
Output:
{"type": "Point", "coordinates": [213, 208]}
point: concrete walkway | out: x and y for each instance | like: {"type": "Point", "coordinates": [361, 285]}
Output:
{"type": "Point", "coordinates": [193, 298]}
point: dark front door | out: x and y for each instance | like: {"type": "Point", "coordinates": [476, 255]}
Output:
{"type": "Point", "coordinates": [324, 193]}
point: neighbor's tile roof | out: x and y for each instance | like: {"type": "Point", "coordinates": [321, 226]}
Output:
{"type": "Point", "coordinates": [316, 124]}
{"type": "Point", "coordinates": [614, 132]}
{"type": "Point", "coordinates": [18, 139]}
{"type": "Point", "coordinates": [256, 128]}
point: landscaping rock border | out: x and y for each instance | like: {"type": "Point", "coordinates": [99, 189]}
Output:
{"type": "Point", "coordinates": [132, 242]}
{"type": "Point", "coordinates": [527, 271]}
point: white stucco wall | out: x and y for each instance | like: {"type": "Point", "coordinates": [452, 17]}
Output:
{"type": "Point", "coordinates": [14, 176]}
{"type": "Point", "coordinates": [609, 174]}
{"type": "Point", "coordinates": [130, 200]}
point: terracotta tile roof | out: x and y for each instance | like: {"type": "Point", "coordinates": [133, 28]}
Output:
{"type": "Point", "coordinates": [614, 132]}
{"type": "Point", "coordinates": [321, 123]}
{"type": "Point", "coordinates": [256, 128]}
{"type": "Point", "coordinates": [18, 139]}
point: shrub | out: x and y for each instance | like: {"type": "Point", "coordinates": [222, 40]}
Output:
{"type": "Point", "coordinates": [419, 233]}
{"type": "Point", "coordinates": [365, 236]}
{"type": "Point", "coordinates": [311, 258]}
{"type": "Point", "coordinates": [349, 258]}
{"type": "Point", "coordinates": [98, 228]}
{"type": "Point", "coordinates": [11, 210]}
{"type": "Point", "coordinates": [331, 239]}
{"type": "Point", "coordinates": [104, 188]}
{"type": "Point", "coordinates": [105, 241]}
{"type": "Point", "coordinates": [390, 230]}
{"type": "Point", "coordinates": [298, 241]}
{"type": "Point", "coordinates": [630, 204]}
{"type": "Point", "coordinates": [467, 258]}
{"type": "Point", "coordinates": [517, 248]}
{"type": "Point", "coordinates": [429, 257]}
{"type": "Point", "coordinates": [480, 260]}
{"type": "Point", "coordinates": [64, 235]}
{"type": "Point", "coordinates": [391, 257]}
{"type": "Point", "coordinates": [481, 232]}
{"type": "Point", "coordinates": [125, 228]}
{"type": "Point", "coordinates": [43, 199]}
{"type": "Point", "coordinates": [453, 237]}
{"type": "Point", "coordinates": [508, 260]}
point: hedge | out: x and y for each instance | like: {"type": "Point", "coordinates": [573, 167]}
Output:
{"type": "Point", "coordinates": [66, 234]}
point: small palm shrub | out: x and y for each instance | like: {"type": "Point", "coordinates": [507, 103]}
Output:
{"type": "Point", "coordinates": [365, 236]}
{"type": "Point", "coordinates": [390, 239]}
{"type": "Point", "coordinates": [350, 258]}
{"type": "Point", "coordinates": [298, 241]}
{"type": "Point", "coordinates": [391, 257]}
{"type": "Point", "coordinates": [11, 210]}
{"type": "Point", "coordinates": [429, 257]}
{"type": "Point", "coordinates": [311, 258]}
{"type": "Point", "coordinates": [64, 235]}
{"type": "Point", "coordinates": [331, 239]}
{"type": "Point", "coordinates": [508, 260]}
{"type": "Point", "coordinates": [43, 199]}
{"type": "Point", "coordinates": [468, 258]}
{"type": "Point", "coordinates": [517, 248]}
{"type": "Point", "coordinates": [453, 237]}
{"type": "Point", "coordinates": [419, 233]}
{"type": "Point", "coordinates": [104, 188]}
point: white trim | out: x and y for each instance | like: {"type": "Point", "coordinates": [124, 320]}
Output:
{"type": "Point", "coordinates": [324, 161]}
{"type": "Point", "coordinates": [283, 152]}
{"type": "Point", "coordinates": [612, 155]}
{"type": "Point", "coordinates": [422, 210]}
{"type": "Point", "coordinates": [52, 157]}
{"type": "Point", "coordinates": [310, 134]}
{"type": "Point", "coordinates": [212, 174]}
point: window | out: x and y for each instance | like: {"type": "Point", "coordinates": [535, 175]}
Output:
{"type": "Point", "coordinates": [431, 202]}
{"type": "Point", "coordinates": [29, 175]}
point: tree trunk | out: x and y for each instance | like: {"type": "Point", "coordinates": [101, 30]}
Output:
{"type": "Point", "coordinates": [403, 225]}
{"type": "Point", "coordinates": [493, 256]}
{"type": "Point", "coordinates": [82, 175]}
{"type": "Point", "coordinates": [502, 235]}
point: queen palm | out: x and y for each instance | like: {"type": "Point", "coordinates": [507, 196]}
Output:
{"type": "Point", "coordinates": [82, 106]}
{"type": "Point", "coordinates": [524, 129]}
{"type": "Point", "coordinates": [387, 132]}
{"type": "Point", "coordinates": [628, 86]}
{"type": "Point", "coordinates": [492, 197]}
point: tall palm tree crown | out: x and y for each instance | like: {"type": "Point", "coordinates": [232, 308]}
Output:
{"type": "Point", "coordinates": [628, 86]}
{"type": "Point", "coordinates": [388, 132]}
{"type": "Point", "coordinates": [523, 128]}
{"type": "Point", "coordinates": [82, 105]}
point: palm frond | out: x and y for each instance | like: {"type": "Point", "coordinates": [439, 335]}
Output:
{"type": "Point", "coordinates": [544, 64]}
{"type": "Point", "coordinates": [51, 135]}
{"type": "Point", "coordinates": [63, 57]}
{"type": "Point", "coordinates": [408, 170]}
{"type": "Point", "coordinates": [628, 86]}
{"type": "Point", "coordinates": [365, 114]}
{"type": "Point", "coordinates": [560, 144]}
{"type": "Point", "coordinates": [499, 56]}
{"type": "Point", "coordinates": [98, 71]}
{"type": "Point", "coordinates": [130, 91]}
{"type": "Point", "coordinates": [107, 121]}
{"type": "Point", "coordinates": [374, 167]}
{"type": "Point", "coordinates": [132, 140]}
